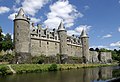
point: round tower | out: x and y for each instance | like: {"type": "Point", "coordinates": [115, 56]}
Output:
{"type": "Point", "coordinates": [85, 46]}
{"type": "Point", "coordinates": [62, 33]}
{"type": "Point", "coordinates": [21, 37]}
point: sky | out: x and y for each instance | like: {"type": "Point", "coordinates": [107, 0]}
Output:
{"type": "Point", "coordinates": [100, 18]}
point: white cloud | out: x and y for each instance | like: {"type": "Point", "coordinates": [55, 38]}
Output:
{"type": "Point", "coordinates": [86, 7]}
{"type": "Point", "coordinates": [32, 19]}
{"type": "Point", "coordinates": [119, 29]}
{"type": "Point", "coordinates": [81, 27]}
{"type": "Point", "coordinates": [4, 9]}
{"type": "Point", "coordinates": [115, 44]}
{"type": "Point", "coordinates": [12, 16]}
{"type": "Point", "coordinates": [99, 46]}
{"type": "Point", "coordinates": [35, 20]}
{"type": "Point", "coordinates": [119, 1]}
{"type": "Point", "coordinates": [62, 10]}
{"type": "Point", "coordinates": [78, 30]}
{"type": "Point", "coordinates": [31, 7]}
{"type": "Point", "coordinates": [107, 36]}
{"type": "Point", "coordinates": [71, 32]}
{"type": "Point", "coordinates": [18, 1]}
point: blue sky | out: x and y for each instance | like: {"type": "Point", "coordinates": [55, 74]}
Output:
{"type": "Point", "coordinates": [101, 18]}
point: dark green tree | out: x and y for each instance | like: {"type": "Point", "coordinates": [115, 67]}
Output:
{"type": "Point", "coordinates": [7, 43]}
{"type": "Point", "coordinates": [97, 49]}
{"type": "Point", "coordinates": [1, 38]}
{"type": "Point", "coordinates": [91, 49]}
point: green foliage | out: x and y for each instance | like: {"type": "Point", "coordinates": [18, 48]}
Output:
{"type": "Point", "coordinates": [91, 49]}
{"type": "Point", "coordinates": [3, 70]}
{"type": "Point", "coordinates": [53, 67]}
{"type": "Point", "coordinates": [38, 59]}
{"type": "Point", "coordinates": [104, 50]}
{"type": "Point", "coordinates": [1, 38]}
{"type": "Point", "coordinates": [7, 43]}
{"type": "Point", "coordinates": [116, 55]}
{"type": "Point", "coordinates": [6, 58]}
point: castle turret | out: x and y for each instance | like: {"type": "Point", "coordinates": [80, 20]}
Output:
{"type": "Point", "coordinates": [85, 46]}
{"type": "Point", "coordinates": [21, 36]}
{"type": "Point", "coordinates": [62, 33]}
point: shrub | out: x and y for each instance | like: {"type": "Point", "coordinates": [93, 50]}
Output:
{"type": "Point", "coordinates": [7, 58]}
{"type": "Point", "coordinates": [38, 59]}
{"type": "Point", "coordinates": [3, 70]}
{"type": "Point", "coordinates": [53, 67]}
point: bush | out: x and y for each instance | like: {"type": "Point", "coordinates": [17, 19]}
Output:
{"type": "Point", "coordinates": [3, 70]}
{"type": "Point", "coordinates": [38, 59]}
{"type": "Point", "coordinates": [53, 67]}
{"type": "Point", "coordinates": [7, 58]}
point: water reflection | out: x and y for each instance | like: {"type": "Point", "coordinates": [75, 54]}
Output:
{"type": "Point", "coordinates": [81, 75]}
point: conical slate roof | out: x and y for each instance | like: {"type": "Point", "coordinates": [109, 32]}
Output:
{"type": "Point", "coordinates": [84, 34]}
{"type": "Point", "coordinates": [21, 12]}
{"type": "Point", "coordinates": [61, 27]}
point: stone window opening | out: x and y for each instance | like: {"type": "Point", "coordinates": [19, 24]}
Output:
{"type": "Point", "coordinates": [40, 43]}
{"type": "Point", "coordinates": [47, 43]}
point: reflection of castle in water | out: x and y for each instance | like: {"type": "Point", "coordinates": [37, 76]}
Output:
{"type": "Point", "coordinates": [101, 73]}
{"type": "Point", "coordinates": [80, 75]}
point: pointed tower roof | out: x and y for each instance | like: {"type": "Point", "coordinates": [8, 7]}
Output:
{"type": "Point", "coordinates": [21, 14]}
{"type": "Point", "coordinates": [61, 27]}
{"type": "Point", "coordinates": [84, 34]}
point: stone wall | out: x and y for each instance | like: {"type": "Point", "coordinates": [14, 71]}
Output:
{"type": "Point", "coordinates": [74, 50]}
{"type": "Point", "coordinates": [93, 57]}
{"type": "Point", "coordinates": [105, 57]}
{"type": "Point", "coordinates": [101, 57]}
{"type": "Point", "coordinates": [45, 47]}
{"type": "Point", "coordinates": [52, 47]}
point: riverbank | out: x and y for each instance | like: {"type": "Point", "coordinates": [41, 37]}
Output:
{"type": "Point", "coordinates": [35, 68]}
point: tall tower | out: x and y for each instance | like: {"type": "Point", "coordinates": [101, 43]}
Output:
{"type": "Point", "coordinates": [21, 37]}
{"type": "Point", "coordinates": [85, 46]}
{"type": "Point", "coordinates": [63, 41]}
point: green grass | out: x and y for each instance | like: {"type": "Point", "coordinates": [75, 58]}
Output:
{"type": "Point", "coordinates": [4, 70]}
{"type": "Point", "coordinates": [30, 68]}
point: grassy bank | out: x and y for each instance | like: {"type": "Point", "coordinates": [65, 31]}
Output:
{"type": "Point", "coordinates": [29, 68]}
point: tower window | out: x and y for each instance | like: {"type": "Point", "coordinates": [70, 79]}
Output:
{"type": "Point", "coordinates": [55, 43]}
{"type": "Point", "coordinates": [17, 26]}
{"type": "Point", "coordinates": [55, 37]}
{"type": "Point", "coordinates": [47, 43]}
{"type": "Point", "coordinates": [40, 43]}
{"type": "Point", "coordinates": [47, 35]}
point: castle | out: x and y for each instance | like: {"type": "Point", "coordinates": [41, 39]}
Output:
{"type": "Point", "coordinates": [36, 41]}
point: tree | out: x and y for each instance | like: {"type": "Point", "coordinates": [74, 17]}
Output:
{"type": "Point", "coordinates": [97, 49]}
{"type": "Point", "coordinates": [7, 43]}
{"type": "Point", "coordinates": [1, 38]}
{"type": "Point", "coordinates": [91, 49]}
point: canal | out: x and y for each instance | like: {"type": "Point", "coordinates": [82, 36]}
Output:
{"type": "Point", "coordinates": [98, 74]}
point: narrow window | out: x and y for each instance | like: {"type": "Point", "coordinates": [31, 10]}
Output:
{"type": "Point", "coordinates": [55, 37]}
{"type": "Point", "coordinates": [40, 43]}
{"type": "Point", "coordinates": [55, 43]}
{"type": "Point", "coordinates": [47, 43]}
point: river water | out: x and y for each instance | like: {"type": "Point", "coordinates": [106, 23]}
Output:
{"type": "Point", "coordinates": [98, 74]}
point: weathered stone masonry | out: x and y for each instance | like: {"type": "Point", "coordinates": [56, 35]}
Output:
{"type": "Point", "coordinates": [33, 40]}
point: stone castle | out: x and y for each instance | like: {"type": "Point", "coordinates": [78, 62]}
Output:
{"type": "Point", "coordinates": [36, 41]}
